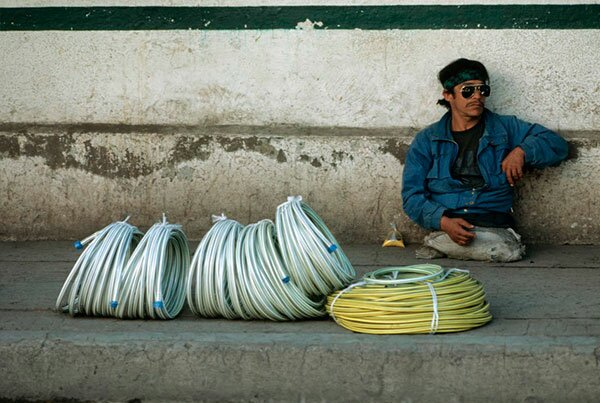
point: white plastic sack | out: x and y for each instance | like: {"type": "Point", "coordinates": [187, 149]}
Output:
{"type": "Point", "coordinates": [490, 244]}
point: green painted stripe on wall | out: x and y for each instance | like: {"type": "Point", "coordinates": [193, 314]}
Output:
{"type": "Point", "coordinates": [576, 16]}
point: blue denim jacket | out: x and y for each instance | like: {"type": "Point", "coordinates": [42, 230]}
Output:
{"type": "Point", "coordinates": [428, 188]}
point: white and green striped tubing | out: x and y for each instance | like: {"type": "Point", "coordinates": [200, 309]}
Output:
{"type": "Point", "coordinates": [309, 250]}
{"type": "Point", "coordinates": [237, 272]}
{"type": "Point", "coordinates": [209, 283]}
{"type": "Point", "coordinates": [263, 284]}
{"type": "Point", "coordinates": [153, 284]}
{"type": "Point", "coordinates": [93, 284]}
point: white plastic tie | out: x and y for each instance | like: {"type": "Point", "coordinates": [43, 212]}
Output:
{"type": "Point", "coordinates": [436, 317]}
{"type": "Point", "coordinates": [164, 219]}
{"type": "Point", "coordinates": [351, 286]}
{"type": "Point", "coordinates": [290, 199]}
{"type": "Point", "coordinates": [217, 218]}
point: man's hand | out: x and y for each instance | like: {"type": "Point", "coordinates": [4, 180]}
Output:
{"type": "Point", "coordinates": [457, 230]}
{"type": "Point", "coordinates": [513, 165]}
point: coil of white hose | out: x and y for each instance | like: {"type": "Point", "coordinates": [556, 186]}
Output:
{"type": "Point", "coordinates": [309, 250]}
{"type": "Point", "coordinates": [93, 284]}
{"type": "Point", "coordinates": [237, 272]}
{"type": "Point", "coordinates": [263, 286]}
{"type": "Point", "coordinates": [153, 283]}
{"type": "Point", "coordinates": [209, 279]}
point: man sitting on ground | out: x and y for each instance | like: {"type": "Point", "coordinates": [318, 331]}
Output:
{"type": "Point", "coordinates": [460, 172]}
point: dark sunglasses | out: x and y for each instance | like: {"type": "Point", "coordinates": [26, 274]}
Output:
{"type": "Point", "coordinates": [467, 91]}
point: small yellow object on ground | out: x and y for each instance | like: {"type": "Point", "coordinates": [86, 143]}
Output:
{"type": "Point", "coordinates": [394, 238]}
{"type": "Point", "coordinates": [393, 242]}
{"type": "Point", "coordinates": [410, 300]}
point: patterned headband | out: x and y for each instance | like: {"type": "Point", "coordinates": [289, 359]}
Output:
{"type": "Point", "coordinates": [464, 75]}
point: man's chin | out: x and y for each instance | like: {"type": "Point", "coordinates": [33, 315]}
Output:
{"type": "Point", "coordinates": [476, 111]}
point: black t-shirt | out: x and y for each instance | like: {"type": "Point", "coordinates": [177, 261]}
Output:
{"type": "Point", "coordinates": [465, 167]}
{"type": "Point", "coordinates": [466, 170]}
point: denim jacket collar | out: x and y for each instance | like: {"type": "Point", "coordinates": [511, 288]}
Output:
{"type": "Point", "coordinates": [494, 133]}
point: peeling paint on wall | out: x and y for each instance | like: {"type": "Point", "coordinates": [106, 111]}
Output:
{"type": "Point", "coordinates": [308, 24]}
{"type": "Point", "coordinates": [396, 148]}
{"type": "Point", "coordinates": [125, 159]}
{"type": "Point", "coordinates": [68, 181]}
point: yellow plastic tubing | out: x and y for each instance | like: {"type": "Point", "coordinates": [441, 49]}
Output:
{"type": "Point", "coordinates": [411, 300]}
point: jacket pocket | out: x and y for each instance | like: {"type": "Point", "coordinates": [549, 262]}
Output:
{"type": "Point", "coordinates": [499, 149]}
{"type": "Point", "coordinates": [492, 160]}
{"type": "Point", "coordinates": [440, 168]}
{"type": "Point", "coordinates": [434, 172]}
{"type": "Point", "coordinates": [439, 179]}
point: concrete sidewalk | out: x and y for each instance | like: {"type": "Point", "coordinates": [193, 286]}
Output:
{"type": "Point", "coordinates": [543, 344]}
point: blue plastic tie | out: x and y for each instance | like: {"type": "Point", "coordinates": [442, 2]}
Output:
{"type": "Point", "coordinates": [286, 279]}
{"type": "Point", "coordinates": [159, 304]}
{"type": "Point", "coordinates": [77, 245]}
{"type": "Point", "coordinates": [114, 304]}
{"type": "Point", "coordinates": [332, 248]}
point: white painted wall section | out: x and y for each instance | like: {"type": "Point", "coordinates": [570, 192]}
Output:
{"type": "Point", "coordinates": [311, 78]}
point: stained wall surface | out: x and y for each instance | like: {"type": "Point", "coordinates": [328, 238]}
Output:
{"type": "Point", "coordinates": [102, 117]}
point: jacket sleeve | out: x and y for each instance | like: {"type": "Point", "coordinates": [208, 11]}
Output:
{"type": "Point", "coordinates": [416, 201]}
{"type": "Point", "coordinates": [542, 146]}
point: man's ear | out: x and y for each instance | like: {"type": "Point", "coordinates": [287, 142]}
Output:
{"type": "Point", "coordinates": [447, 95]}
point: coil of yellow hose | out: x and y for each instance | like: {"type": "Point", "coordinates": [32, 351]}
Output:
{"type": "Point", "coordinates": [411, 300]}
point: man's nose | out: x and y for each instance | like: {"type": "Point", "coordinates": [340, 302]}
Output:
{"type": "Point", "coordinates": [477, 93]}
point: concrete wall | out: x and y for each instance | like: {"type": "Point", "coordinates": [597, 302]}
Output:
{"type": "Point", "coordinates": [99, 124]}
{"type": "Point", "coordinates": [310, 78]}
